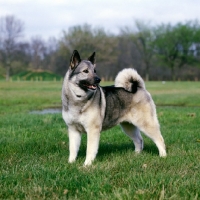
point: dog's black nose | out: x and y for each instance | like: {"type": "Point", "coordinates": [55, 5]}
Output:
{"type": "Point", "coordinates": [97, 80]}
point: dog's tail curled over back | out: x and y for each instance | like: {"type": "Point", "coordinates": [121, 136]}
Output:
{"type": "Point", "coordinates": [130, 80]}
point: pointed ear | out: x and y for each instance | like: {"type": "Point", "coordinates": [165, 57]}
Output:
{"type": "Point", "coordinates": [92, 58]}
{"type": "Point", "coordinates": [75, 59]}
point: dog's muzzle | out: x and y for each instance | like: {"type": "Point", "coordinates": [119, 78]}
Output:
{"type": "Point", "coordinates": [93, 86]}
{"type": "Point", "coordinates": [97, 80]}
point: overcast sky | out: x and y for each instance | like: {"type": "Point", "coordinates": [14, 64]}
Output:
{"type": "Point", "coordinates": [49, 17]}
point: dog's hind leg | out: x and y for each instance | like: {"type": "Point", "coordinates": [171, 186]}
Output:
{"type": "Point", "coordinates": [134, 133]}
{"type": "Point", "coordinates": [152, 130]}
{"type": "Point", "coordinates": [74, 143]}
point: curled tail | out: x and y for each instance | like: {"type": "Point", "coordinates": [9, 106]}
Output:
{"type": "Point", "coordinates": [130, 80]}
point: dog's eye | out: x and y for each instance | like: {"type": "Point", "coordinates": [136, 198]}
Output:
{"type": "Point", "coordinates": [95, 71]}
{"type": "Point", "coordinates": [86, 71]}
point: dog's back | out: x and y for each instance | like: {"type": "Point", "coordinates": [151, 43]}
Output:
{"type": "Point", "coordinates": [120, 97]}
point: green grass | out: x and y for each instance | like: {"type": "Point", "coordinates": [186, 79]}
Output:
{"type": "Point", "coordinates": [34, 149]}
{"type": "Point", "coordinates": [175, 93]}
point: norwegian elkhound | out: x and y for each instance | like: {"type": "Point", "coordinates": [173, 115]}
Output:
{"type": "Point", "coordinates": [90, 108]}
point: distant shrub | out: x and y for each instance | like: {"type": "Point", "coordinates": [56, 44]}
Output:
{"type": "Point", "coordinates": [36, 76]}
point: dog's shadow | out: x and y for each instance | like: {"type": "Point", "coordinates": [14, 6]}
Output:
{"type": "Point", "coordinates": [106, 149]}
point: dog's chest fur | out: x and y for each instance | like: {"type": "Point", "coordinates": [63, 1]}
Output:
{"type": "Point", "coordinates": [83, 112]}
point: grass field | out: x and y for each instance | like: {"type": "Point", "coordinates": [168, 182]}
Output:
{"type": "Point", "coordinates": [34, 149]}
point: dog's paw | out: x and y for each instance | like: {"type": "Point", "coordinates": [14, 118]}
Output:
{"type": "Point", "coordinates": [138, 151]}
{"type": "Point", "coordinates": [87, 163]}
{"type": "Point", "coordinates": [163, 154]}
{"type": "Point", "coordinates": [71, 160]}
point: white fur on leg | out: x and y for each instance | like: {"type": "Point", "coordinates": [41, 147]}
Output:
{"type": "Point", "coordinates": [161, 147]}
{"type": "Point", "coordinates": [74, 144]}
{"type": "Point", "coordinates": [138, 141]}
{"type": "Point", "coordinates": [157, 138]}
{"type": "Point", "coordinates": [134, 133]}
{"type": "Point", "coordinates": [92, 147]}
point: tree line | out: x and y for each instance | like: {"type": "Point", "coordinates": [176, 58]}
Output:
{"type": "Point", "coordinates": [161, 52]}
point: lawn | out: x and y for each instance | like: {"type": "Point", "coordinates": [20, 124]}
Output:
{"type": "Point", "coordinates": [34, 149]}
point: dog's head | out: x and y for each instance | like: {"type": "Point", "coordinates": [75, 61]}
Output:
{"type": "Point", "coordinates": [83, 73]}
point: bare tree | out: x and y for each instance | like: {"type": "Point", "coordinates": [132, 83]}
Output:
{"type": "Point", "coordinates": [143, 38]}
{"type": "Point", "coordinates": [11, 30]}
{"type": "Point", "coordinates": [37, 52]}
{"type": "Point", "coordinates": [51, 54]}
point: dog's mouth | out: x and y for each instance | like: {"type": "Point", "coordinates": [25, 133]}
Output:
{"type": "Point", "coordinates": [92, 87]}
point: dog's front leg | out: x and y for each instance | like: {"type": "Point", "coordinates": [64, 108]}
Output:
{"type": "Point", "coordinates": [74, 143]}
{"type": "Point", "coordinates": [93, 137]}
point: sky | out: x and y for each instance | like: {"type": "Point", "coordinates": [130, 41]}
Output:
{"type": "Point", "coordinates": [48, 18]}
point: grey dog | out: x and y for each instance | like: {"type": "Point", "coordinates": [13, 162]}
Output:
{"type": "Point", "coordinates": [90, 108]}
